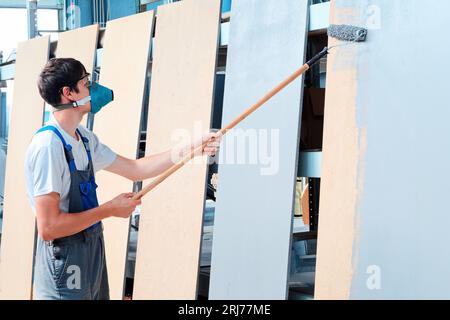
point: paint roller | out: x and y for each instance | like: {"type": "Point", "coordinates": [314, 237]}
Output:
{"type": "Point", "coordinates": [351, 34]}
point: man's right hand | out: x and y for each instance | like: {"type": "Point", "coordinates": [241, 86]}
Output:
{"type": "Point", "coordinates": [123, 205]}
{"type": "Point", "coordinates": [53, 224]}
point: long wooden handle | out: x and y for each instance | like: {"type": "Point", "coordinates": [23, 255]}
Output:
{"type": "Point", "coordinates": [222, 131]}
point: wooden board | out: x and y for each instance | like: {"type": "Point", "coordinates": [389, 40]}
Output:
{"type": "Point", "coordinates": [18, 234]}
{"type": "Point", "coordinates": [124, 68]}
{"type": "Point", "coordinates": [80, 44]}
{"type": "Point", "coordinates": [181, 100]}
{"type": "Point", "coordinates": [338, 183]}
{"type": "Point", "coordinates": [255, 199]}
{"type": "Point", "coordinates": [304, 201]}
{"type": "Point", "coordinates": [383, 227]}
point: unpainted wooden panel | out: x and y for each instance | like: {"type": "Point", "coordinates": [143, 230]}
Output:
{"type": "Point", "coordinates": [18, 234]}
{"type": "Point", "coordinates": [124, 68]}
{"type": "Point", "coordinates": [181, 99]}
{"type": "Point", "coordinates": [256, 188]}
{"type": "Point", "coordinates": [80, 44]}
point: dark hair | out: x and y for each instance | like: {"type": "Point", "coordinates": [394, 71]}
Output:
{"type": "Point", "coordinates": [59, 73]}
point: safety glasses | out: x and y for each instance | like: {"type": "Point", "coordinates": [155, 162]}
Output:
{"type": "Point", "coordinates": [86, 78]}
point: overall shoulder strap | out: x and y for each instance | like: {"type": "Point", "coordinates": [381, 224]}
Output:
{"type": "Point", "coordinates": [67, 147]}
{"type": "Point", "coordinates": [86, 144]}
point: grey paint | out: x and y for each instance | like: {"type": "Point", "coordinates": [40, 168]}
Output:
{"type": "Point", "coordinates": [253, 220]}
{"type": "Point", "coordinates": [403, 93]}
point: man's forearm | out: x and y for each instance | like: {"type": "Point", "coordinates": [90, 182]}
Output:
{"type": "Point", "coordinates": [67, 224]}
{"type": "Point", "coordinates": [155, 164]}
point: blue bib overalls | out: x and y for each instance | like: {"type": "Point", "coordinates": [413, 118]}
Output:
{"type": "Point", "coordinates": [74, 267]}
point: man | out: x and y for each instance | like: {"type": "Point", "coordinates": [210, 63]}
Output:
{"type": "Point", "coordinates": [60, 165]}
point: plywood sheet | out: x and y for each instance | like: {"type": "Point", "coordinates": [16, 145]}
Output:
{"type": "Point", "coordinates": [80, 44]}
{"type": "Point", "coordinates": [16, 258]}
{"type": "Point", "coordinates": [304, 202]}
{"type": "Point", "coordinates": [383, 227]}
{"type": "Point", "coordinates": [181, 99]}
{"type": "Point", "coordinates": [255, 196]}
{"type": "Point", "coordinates": [124, 68]}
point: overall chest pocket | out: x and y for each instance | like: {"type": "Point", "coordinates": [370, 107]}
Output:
{"type": "Point", "coordinates": [89, 194]}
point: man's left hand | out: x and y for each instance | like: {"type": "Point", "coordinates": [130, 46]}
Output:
{"type": "Point", "coordinates": [213, 145]}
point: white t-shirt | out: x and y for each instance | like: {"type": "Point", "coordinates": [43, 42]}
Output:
{"type": "Point", "coordinates": [46, 168]}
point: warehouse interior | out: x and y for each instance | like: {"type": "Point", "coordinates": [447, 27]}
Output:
{"type": "Point", "coordinates": [320, 189]}
{"type": "Point", "coordinates": [53, 17]}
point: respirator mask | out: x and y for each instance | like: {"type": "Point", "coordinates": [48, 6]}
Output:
{"type": "Point", "coordinates": [99, 96]}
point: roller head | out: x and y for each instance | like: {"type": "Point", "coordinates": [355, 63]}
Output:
{"type": "Point", "coordinates": [347, 33]}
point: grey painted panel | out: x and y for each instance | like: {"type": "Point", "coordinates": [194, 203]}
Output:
{"type": "Point", "coordinates": [253, 219]}
{"type": "Point", "coordinates": [402, 105]}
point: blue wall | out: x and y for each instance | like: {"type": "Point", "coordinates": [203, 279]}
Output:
{"type": "Point", "coordinates": [226, 5]}
{"type": "Point", "coordinates": [154, 5]}
{"type": "Point", "coordinates": [119, 8]}
{"type": "Point", "coordinates": [85, 10]}
{"type": "Point", "coordinates": [122, 8]}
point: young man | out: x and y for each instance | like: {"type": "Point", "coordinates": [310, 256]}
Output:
{"type": "Point", "coordinates": [60, 165]}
